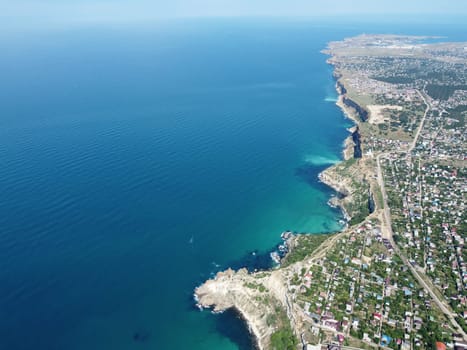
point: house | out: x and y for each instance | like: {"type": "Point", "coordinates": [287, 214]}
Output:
{"type": "Point", "coordinates": [407, 292]}
{"type": "Point", "coordinates": [312, 347]}
{"type": "Point", "coordinates": [460, 345]}
{"type": "Point", "coordinates": [440, 346]}
{"type": "Point", "coordinates": [334, 347]}
{"type": "Point", "coordinates": [315, 317]}
{"type": "Point", "coordinates": [333, 324]}
{"type": "Point", "coordinates": [417, 321]}
{"type": "Point", "coordinates": [355, 323]}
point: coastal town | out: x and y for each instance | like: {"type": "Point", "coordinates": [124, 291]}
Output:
{"type": "Point", "coordinates": [396, 277]}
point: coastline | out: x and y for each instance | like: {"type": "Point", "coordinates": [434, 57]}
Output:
{"type": "Point", "coordinates": [357, 180]}
{"type": "Point", "coordinates": [242, 291]}
{"type": "Point", "coordinates": [328, 176]}
{"type": "Point", "coordinates": [232, 289]}
{"type": "Point", "coordinates": [202, 303]}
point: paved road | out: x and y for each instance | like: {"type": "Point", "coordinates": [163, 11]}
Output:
{"type": "Point", "coordinates": [417, 134]}
{"type": "Point", "coordinates": [389, 235]}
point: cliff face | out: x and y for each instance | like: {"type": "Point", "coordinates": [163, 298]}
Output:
{"type": "Point", "coordinates": [355, 112]}
{"type": "Point", "coordinates": [340, 88]}
{"type": "Point", "coordinates": [371, 201]}
{"type": "Point", "coordinates": [341, 185]}
{"type": "Point", "coordinates": [356, 138]}
{"type": "Point", "coordinates": [254, 296]}
{"type": "Point", "coordinates": [362, 113]}
{"type": "Point", "coordinates": [260, 297]}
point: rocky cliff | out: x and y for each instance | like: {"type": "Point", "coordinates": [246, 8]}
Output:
{"type": "Point", "coordinates": [257, 297]}
{"type": "Point", "coordinates": [340, 88]}
{"type": "Point", "coordinates": [361, 112]}
{"type": "Point", "coordinates": [356, 138]}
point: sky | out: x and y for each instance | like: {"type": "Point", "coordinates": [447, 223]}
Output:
{"type": "Point", "coordinates": [30, 13]}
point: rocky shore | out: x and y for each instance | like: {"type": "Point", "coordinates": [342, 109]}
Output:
{"type": "Point", "coordinates": [352, 146]}
{"type": "Point", "coordinates": [265, 299]}
{"type": "Point", "coordinates": [261, 297]}
{"type": "Point", "coordinates": [256, 296]}
{"type": "Point", "coordinates": [342, 188]}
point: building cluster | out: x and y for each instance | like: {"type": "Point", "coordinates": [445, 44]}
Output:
{"type": "Point", "coordinates": [428, 190]}
{"type": "Point", "coordinates": [443, 137]}
{"type": "Point", "coordinates": [368, 292]}
{"type": "Point", "coordinates": [430, 219]}
{"type": "Point", "coordinates": [361, 290]}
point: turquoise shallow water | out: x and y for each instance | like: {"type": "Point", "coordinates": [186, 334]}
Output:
{"type": "Point", "coordinates": [138, 161]}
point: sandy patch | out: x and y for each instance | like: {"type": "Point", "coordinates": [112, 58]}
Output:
{"type": "Point", "coordinates": [377, 115]}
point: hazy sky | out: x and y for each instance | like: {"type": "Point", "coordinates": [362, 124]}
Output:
{"type": "Point", "coordinates": [34, 12]}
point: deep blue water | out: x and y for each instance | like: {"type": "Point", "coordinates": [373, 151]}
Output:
{"type": "Point", "coordinates": [137, 161]}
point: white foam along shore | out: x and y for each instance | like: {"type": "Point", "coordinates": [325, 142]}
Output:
{"type": "Point", "coordinates": [327, 176]}
{"type": "Point", "coordinates": [240, 290]}
{"type": "Point", "coordinates": [321, 160]}
{"type": "Point", "coordinates": [232, 289]}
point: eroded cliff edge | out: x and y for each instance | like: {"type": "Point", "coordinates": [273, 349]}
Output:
{"type": "Point", "coordinates": [258, 297]}
{"type": "Point", "coordinates": [263, 298]}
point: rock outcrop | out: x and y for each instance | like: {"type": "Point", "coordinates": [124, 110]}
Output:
{"type": "Point", "coordinates": [361, 112]}
{"type": "Point", "coordinates": [356, 138]}
{"type": "Point", "coordinates": [255, 296]}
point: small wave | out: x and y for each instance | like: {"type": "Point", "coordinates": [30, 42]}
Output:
{"type": "Point", "coordinates": [321, 160]}
{"type": "Point", "coordinates": [330, 99]}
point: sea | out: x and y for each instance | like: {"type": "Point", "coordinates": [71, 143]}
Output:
{"type": "Point", "coordinates": [139, 159]}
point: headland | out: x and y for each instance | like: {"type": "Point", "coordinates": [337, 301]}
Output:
{"type": "Point", "coordinates": [378, 283]}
